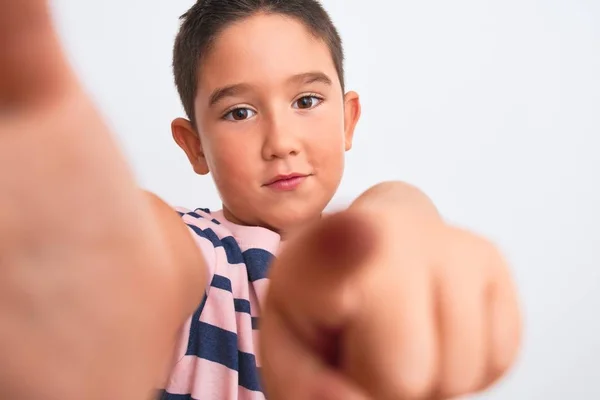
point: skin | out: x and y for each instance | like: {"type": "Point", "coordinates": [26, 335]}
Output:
{"type": "Point", "coordinates": [414, 308]}
{"type": "Point", "coordinates": [83, 251]}
{"type": "Point", "coordinates": [295, 120]}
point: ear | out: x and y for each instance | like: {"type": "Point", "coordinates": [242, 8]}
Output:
{"type": "Point", "coordinates": [186, 137]}
{"type": "Point", "coordinates": [352, 111]}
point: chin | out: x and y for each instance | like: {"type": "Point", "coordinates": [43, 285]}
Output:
{"type": "Point", "coordinates": [288, 218]}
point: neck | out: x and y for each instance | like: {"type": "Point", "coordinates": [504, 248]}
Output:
{"type": "Point", "coordinates": [285, 232]}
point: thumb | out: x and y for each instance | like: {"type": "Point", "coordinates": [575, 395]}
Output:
{"type": "Point", "coordinates": [32, 65]}
{"type": "Point", "coordinates": [309, 302]}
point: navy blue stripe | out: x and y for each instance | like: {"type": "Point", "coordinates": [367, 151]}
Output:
{"type": "Point", "coordinates": [242, 306]}
{"type": "Point", "coordinates": [221, 282]}
{"type": "Point", "coordinates": [257, 263]}
{"type": "Point", "coordinates": [232, 250]}
{"type": "Point", "coordinates": [204, 210]}
{"type": "Point", "coordinates": [164, 395]}
{"type": "Point", "coordinates": [195, 215]}
{"type": "Point", "coordinates": [180, 214]}
{"type": "Point", "coordinates": [220, 346]}
{"type": "Point", "coordinates": [207, 234]}
{"type": "Point", "coordinates": [255, 323]}
{"type": "Point", "coordinates": [214, 221]}
{"type": "Point", "coordinates": [212, 236]}
{"type": "Point", "coordinates": [248, 374]}
{"type": "Point", "coordinates": [194, 328]}
{"type": "Point", "coordinates": [197, 230]}
{"type": "Point", "coordinates": [215, 344]}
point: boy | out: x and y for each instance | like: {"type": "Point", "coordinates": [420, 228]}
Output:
{"type": "Point", "coordinates": [384, 300]}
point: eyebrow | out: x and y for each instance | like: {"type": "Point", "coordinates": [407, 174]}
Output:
{"type": "Point", "coordinates": [300, 79]}
{"type": "Point", "coordinates": [227, 91]}
{"type": "Point", "coordinates": [311, 77]}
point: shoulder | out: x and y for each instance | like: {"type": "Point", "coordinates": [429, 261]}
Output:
{"type": "Point", "coordinates": [199, 221]}
{"type": "Point", "coordinates": [199, 231]}
{"type": "Point", "coordinates": [212, 235]}
{"type": "Point", "coordinates": [203, 224]}
{"type": "Point", "coordinates": [198, 214]}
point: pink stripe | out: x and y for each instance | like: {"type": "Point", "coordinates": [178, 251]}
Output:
{"type": "Point", "coordinates": [199, 222]}
{"type": "Point", "coordinates": [218, 310]}
{"type": "Point", "coordinates": [221, 259]}
{"type": "Point", "coordinates": [254, 303]}
{"type": "Point", "coordinates": [205, 245]}
{"type": "Point", "coordinates": [258, 239]}
{"type": "Point", "coordinates": [222, 231]}
{"type": "Point", "coordinates": [245, 394]}
{"type": "Point", "coordinates": [256, 339]}
{"type": "Point", "coordinates": [203, 379]}
{"type": "Point", "coordinates": [260, 288]}
{"type": "Point", "coordinates": [238, 274]}
{"type": "Point", "coordinates": [203, 214]}
{"type": "Point", "coordinates": [244, 331]}
{"type": "Point", "coordinates": [182, 210]}
{"type": "Point", "coordinates": [208, 251]}
{"type": "Point", "coordinates": [250, 236]}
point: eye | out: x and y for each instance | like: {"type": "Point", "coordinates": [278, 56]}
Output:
{"type": "Point", "coordinates": [239, 114]}
{"type": "Point", "coordinates": [307, 102]}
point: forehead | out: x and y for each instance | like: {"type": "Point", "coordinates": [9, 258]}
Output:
{"type": "Point", "coordinates": [263, 50]}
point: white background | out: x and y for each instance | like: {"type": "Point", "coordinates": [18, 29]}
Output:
{"type": "Point", "coordinates": [491, 107]}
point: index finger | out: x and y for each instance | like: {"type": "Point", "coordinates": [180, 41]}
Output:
{"type": "Point", "coordinates": [309, 301]}
{"type": "Point", "coordinates": [311, 282]}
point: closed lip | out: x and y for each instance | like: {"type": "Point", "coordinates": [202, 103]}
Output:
{"type": "Point", "coordinates": [284, 178]}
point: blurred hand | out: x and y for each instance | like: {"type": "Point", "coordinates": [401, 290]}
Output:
{"type": "Point", "coordinates": [385, 301]}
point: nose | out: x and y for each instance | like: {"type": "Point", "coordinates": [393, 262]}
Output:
{"type": "Point", "coordinates": [281, 140]}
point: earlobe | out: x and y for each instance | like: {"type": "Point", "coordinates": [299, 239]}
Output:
{"type": "Point", "coordinates": [352, 112]}
{"type": "Point", "coordinates": [188, 139]}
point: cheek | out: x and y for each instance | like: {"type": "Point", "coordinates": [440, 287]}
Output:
{"type": "Point", "coordinates": [327, 145]}
{"type": "Point", "coordinates": [229, 163]}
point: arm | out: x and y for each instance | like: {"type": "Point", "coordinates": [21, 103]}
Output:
{"type": "Point", "coordinates": [180, 243]}
{"type": "Point", "coordinates": [96, 277]}
{"type": "Point", "coordinates": [187, 256]}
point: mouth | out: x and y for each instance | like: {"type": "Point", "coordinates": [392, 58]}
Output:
{"type": "Point", "coordinates": [286, 182]}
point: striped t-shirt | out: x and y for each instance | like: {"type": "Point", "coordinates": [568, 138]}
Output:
{"type": "Point", "coordinates": [217, 357]}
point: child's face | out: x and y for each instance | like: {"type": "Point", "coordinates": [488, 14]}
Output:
{"type": "Point", "coordinates": [270, 104]}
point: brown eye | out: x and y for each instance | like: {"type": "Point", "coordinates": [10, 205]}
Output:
{"type": "Point", "coordinates": [307, 102]}
{"type": "Point", "coordinates": [239, 114]}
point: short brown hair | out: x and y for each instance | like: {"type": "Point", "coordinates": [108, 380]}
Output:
{"type": "Point", "coordinates": [202, 23]}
